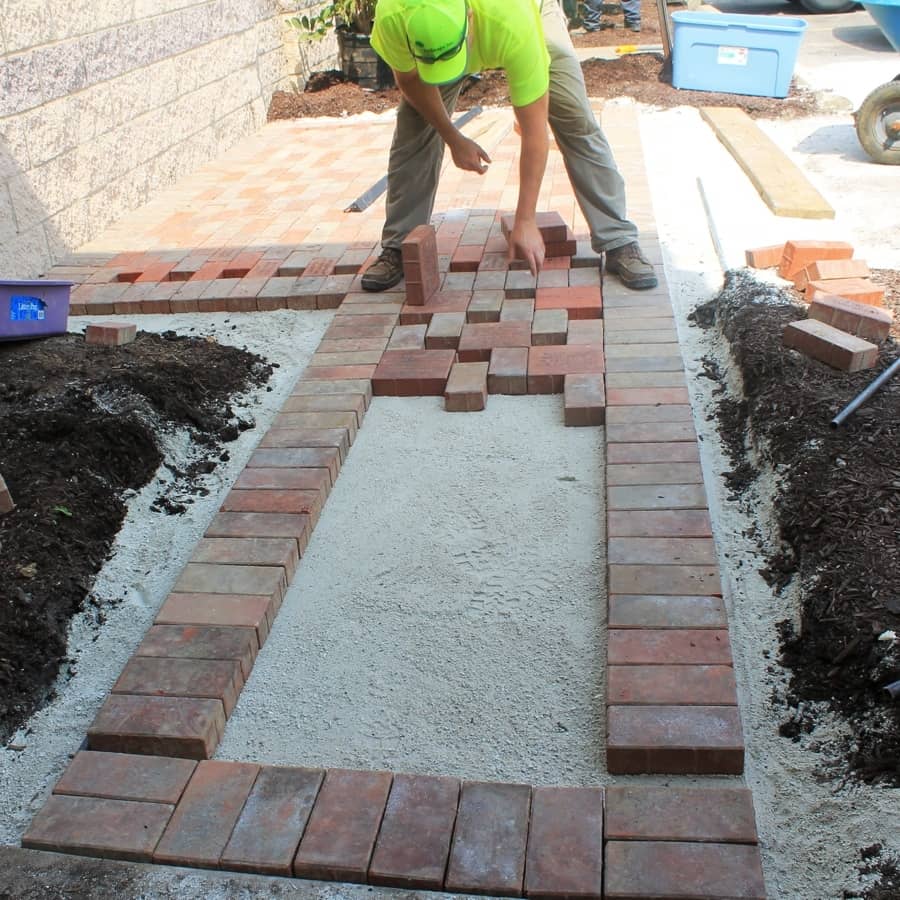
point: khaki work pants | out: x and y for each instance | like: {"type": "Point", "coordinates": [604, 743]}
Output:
{"type": "Point", "coordinates": [417, 152]}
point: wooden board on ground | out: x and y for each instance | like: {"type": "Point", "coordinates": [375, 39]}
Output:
{"type": "Point", "coordinates": [780, 183]}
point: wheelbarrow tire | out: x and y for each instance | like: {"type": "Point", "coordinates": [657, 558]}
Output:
{"type": "Point", "coordinates": [871, 123]}
{"type": "Point", "coordinates": [828, 6]}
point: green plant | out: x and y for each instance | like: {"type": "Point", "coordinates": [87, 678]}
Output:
{"type": "Point", "coordinates": [354, 15]}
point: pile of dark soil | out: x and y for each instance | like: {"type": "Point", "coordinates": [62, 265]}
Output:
{"type": "Point", "coordinates": [837, 515]}
{"type": "Point", "coordinates": [80, 426]}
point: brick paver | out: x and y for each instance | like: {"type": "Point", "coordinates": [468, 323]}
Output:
{"type": "Point", "coordinates": [202, 642]}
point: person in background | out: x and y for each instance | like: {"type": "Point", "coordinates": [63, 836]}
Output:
{"type": "Point", "coordinates": [431, 45]}
{"type": "Point", "coordinates": [592, 18]}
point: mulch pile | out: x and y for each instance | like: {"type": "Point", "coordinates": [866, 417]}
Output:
{"type": "Point", "coordinates": [80, 427]}
{"type": "Point", "coordinates": [836, 534]}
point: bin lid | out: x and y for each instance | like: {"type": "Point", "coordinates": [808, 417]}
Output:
{"type": "Point", "coordinates": [751, 23]}
{"type": "Point", "coordinates": [35, 283]}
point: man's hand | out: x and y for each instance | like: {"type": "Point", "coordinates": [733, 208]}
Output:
{"type": "Point", "coordinates": [467, 155]}
{"type": "Point", "coordinates": [525, 242]}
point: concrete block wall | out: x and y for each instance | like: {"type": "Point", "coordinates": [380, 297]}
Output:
{"type": "Point", "coordinates": [102, 102]}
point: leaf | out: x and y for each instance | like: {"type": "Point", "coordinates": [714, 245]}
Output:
{"type": "Point", "coordinates": [63, 511]}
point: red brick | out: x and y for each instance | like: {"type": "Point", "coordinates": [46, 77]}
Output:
{"type": "Point", "coordinates": [111, 334]}
{"type": "Point", "coordinates": [661, 551]}
{"type": "Point", "coordinates": [675, 685]}
{"type": "Point", "coordinates": [872, 323]}
{"type": "Point", "coordinates": [316, 480]}
{"type": "Point", "coordinates": [219, 609]}
{"type": "Point", "coordinates": [263, 525]}
{"type": "Point", "coordinates": [798, 255]}
{"type": "Point", "coordinates": [342, 829]}
{"type": "Point", "coordinates": [659, 523]}
{"type": "Point", "coordinates": [466, 387]}
{"type": "Point", "coordinates": [508, 371]}
{"type": "Point", "coordinates": [645, 869]}
{"type": "Point", "coordinates": [478, 340]}
{"type": "Point", "coordinates": [668, 418]}
{"type": "Point", "coordinates": [466, 258]}
{"type": "Point", "coordinates": [489, 843]}
{"type": "Point", "coordinates": [657, 496]}
{"type": "Point", "coordinates": [585, 331]}
{"type": "Point", "coordinates": [859, 289]}
{"type": "Point", "coordinates": [327, 459]}
{"type": "Point", "coordinates": [202, 642]}
{"type": "Point", "coordinates": [654, 452]}
{"type": "Point", "coordinates": [485, 305]}
{"type": "Point", "coordinates": [206, 578]}
{"type": "Point", "coordinates": [420, 264]}
{"type": "Point", "coordinates": [648, 397]}
{"type": "Point", "coordinates": [274, 501]}
{"type": "Point", "coordinates": [320, 267]}
{"type": "Point", "coordinates": [666, 579]}
{"type": "Point", "coordinates": [548, 366]}
{"type": "Point", "coordinates": [352, 345]}
{"type": "Point", "coordinates": [661, 611]}
{"type": "Point", "coordinates": [412, 373]}
{"type": "Point", "coordinates": [674, 740]}
{"type": "Point", "coordinates": [125, 776]}
{"type": "Point", "coordinates": [658, 362]}
{"type": "Point", "coordinates": [301, 438]}
{"type": "Point", "coordinates": [585, 400]}
{"type": "Point", "coordinates": [346, 358]}
{"type": "Point", "coordinates": [241, 265]}
{"type": "Point", "coordinates": [830, 345]}
{"type": "Point", "coordinates": [113, 829]}
{"type": "Point", "coordinates": [338, 373]}
{"type": "Point", "coordinates": [625, 328]}
{"type": "Point", "coordinates": [275, 552]}
{"type": "Point", "coordinates": [549, 327]}
{"type": "Point", "coordinates": [441, 302]}
{"type": "Point", "coordinates": [551, 225]}
{"type": "Point", "coordinates": [158, 726]}
{"type": "Point", "coordinates": [326, 388]}
{"type": "Point", "coordinates": [556, 249]}
{"type": "Point", "coordinates": [444, 331]}
{"type": "Point", "coordinates": [710, 814]}
{"type": "Point", "coordinates": [668, 646]}
{"type": "Point", "coordinates": [565, 843]}
{"type": "Point", "coordinates": [345, 328]}
{"type": "Point", "coordinates": [764, 257]}
{"type": "Point", "coordinates": [272, 821]}
{"type": "Point", "coordinates": [580, 302]}
{"type": "Point", "coordinates": [414, 840]}
{"type": "Point", "coordinates": [827, 269]}
{"type": "Point", "coordinates": [408, 337]}
{"type": "Point", "coordinates": [353, 403]}
{"type": "Point", "coordinates": [202, 823]}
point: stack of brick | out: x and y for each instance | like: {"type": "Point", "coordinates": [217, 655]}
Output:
{"type": "Point", "coordinates": [559, 240]}
{"type": "Point", "coordinates": [420, 265]}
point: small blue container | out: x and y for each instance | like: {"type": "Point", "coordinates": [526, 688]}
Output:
{"type": "Point", "coordinates": [886, 14]}
{"type": "Point", "coordinates": [30, 309]}
{"type": "Point", "coordinates": [735, 54]}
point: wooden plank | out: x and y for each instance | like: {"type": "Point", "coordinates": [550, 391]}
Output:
{"type": "Point", "coordinates": [780, 183]}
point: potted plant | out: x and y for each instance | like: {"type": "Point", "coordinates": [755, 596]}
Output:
{"type": "Point", "coordinates": [351, 21]}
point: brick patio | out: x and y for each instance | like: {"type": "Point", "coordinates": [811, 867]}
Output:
{"type": "Point", "coordinates": [263, 230]}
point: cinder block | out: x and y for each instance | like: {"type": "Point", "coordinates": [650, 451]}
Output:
{"type": "Point", "coordinates": [830, 345]}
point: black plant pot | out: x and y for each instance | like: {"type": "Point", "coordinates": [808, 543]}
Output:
{"type": "Point", "coordinates": [360, 63]}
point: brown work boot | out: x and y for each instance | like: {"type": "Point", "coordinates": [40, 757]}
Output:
{"type": "Point", "coordinates": [385, 272]}
{"type": "Point", "coordinates": [632, 267]}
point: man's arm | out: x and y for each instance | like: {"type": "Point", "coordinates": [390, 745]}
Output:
{"type": "Point", "coordinates": [426, 99]}
{"type": "Point", "coordinates": [526, 242]}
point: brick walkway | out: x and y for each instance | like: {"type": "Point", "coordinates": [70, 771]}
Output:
{"type": "Point", "coordinates": [263, 229]}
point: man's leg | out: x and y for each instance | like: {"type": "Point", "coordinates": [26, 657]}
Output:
{"type": "Point", "coordinates": [598, 185]}
{"type": "Point", "coordinates": [591, 17]}
{"type": "Point", "coordinates": [632, 12]}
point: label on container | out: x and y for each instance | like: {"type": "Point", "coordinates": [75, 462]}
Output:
{"type": "Point", "coordinates": [732, 56]}
{"type": "Point", "coordinates": [26, 309]}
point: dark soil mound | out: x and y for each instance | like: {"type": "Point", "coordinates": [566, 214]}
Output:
{"type": "Point", "coordinates": [79, 427]}
{"type": "Point", "coordinates": [837, 514]}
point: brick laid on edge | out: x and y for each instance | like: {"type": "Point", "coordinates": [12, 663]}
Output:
{"type": "Point", "coordinates": [830, 345]}
{"type": "Point", "coordinates": [584, 401]}
{"type": "Point", "coordinates": [466, 387]}
{"type": "Point", "coordinates": [202, 642]}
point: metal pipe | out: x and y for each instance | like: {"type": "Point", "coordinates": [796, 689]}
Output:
{"type": "Point", "coordinates": [858, 401]}
{"type": "Point", "coordinates": [893, 690]}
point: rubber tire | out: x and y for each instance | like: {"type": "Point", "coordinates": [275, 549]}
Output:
{"type": "Point", "coordinates": [869, 128]}
{"type": "Point", "coordinates": [828, 6]}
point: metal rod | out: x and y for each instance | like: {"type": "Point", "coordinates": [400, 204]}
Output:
{"type": "Point", "coordinates": [858, 401]}
{"type": "Point", "coordinates": [367, 198]}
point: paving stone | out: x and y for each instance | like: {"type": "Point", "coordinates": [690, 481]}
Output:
{"type": "Point", "coordinates": [548, 366]}
{"type": "Point", "coordinates": [466, 258]}
{"type": "Point", "coordinates": [659, 523]}
{"type": "Point", "coordinates": [466, 387]}
{"type": "Point", "coordinates": [655, 432]}
{"type": "Point", "coordinates": [408, 337]}
{"type": "Point", "coordinates": [519, 285]}
{"type": "Point", "coordinates": [668, 362]}
{"type": "Point", "coordinates": [414, 841]}
{"type": "Point", "coordinates": [638, 415]}
{"type": "Point", "coordinates": [621, 321]}
{"type": "Point", "coordinates": [652, 452]}
{"type": "Point", "coordinates": [661, 611]}
{"type": "Point", "coordinates": [113, 829]}
{"type": "Point", "coordinates": [869, 322]}
{"type": "Point", "coordinates": [644, 337]}
{"type": "Point", "coordinates": [553, 278]}
{"type": "Point", "coordinates": [585, 331]}
{"type": "Point", "coordinates": [653, 473]}
{"type": "Point", "coordinates": [584, 400]}
{"type": "Point", "coordinates": [664, 580]}
{"type": "Point", "coordinates": [342, 829]}
{"type": "Point", "coordinates": [645, 869]}
{"type": "Point", "coordinates": [351, 345]}
{"type": "Point", "coordinates": [489, 843]}
{"type": "Point", "coordinates": [657, 496]}
{"type": "Point", "coordinates": [311, 480]}
{"type": "Point", "coordinates": [661, 551]}
{"type": "Point", "coordinates": [337, 373]}
{"type": "Point", "coordinates": [352, 403]}
{"type": "Point", "coordinates": [649, 396]}
{"type": "Point", "coordinates": [207, 578]}
{"type": "Point", "coordinates": [565, 843]}
{"type": "Point", "coordinates": [670, 685]}
{"type": "Point", "coordinates": [830, 345]}
{"type": "Point", "coordinates": [345, 328]}
{"type": "Point", "coordinates": [674, 740]}
{"type": "Point", "coordinates": [274, 501]}
{"type": "Point", "coordinates": [246, 611]}
{"type": "Point", "coordinates": [328, 459]}
{"type": "Point", "coordinates": [549, 327]}
{"type": "Point", "coordinates": [710, 814]}
{"type": "Point", "coordinates": [487, 300]}
{"type": "Point", "coordinates": [265, 525]}
{"type": "Point", "coordinates": [478, 340]}
{"type": "Point", "coordinates": [341, 386]}
{"type": "Point", "coordinates": [579, 302]}
{"type": "Point", "coordinates": [444, 301]}
{"type": "Point", "coordinates": [274, 552]}
{"type": "Point", "coordinates": [125, 776]}
{"type": "Point", "coordinates": [508, 371]}
{"type": "Point", "coordinates": [202, 823]}
{"type": "Point", "coordinates": [202, 642]}
{"type": "Point", "coordinates": [345, 358]}
{"type": "Point", "coordinates": [299, 438]}
{"type": "Point", "coordinates": [215, 679]}
{"type": "Point", "coordinates": [413, 373]}
{"type": "Point", "coordinates": [273, 820]}
{"type": "Point", "coordinates": [647, 646]}
{"type": "Point", "coordinates": [158, 726]}
{"type": "Point", "coordinates": [517, 311]}
{"type": "Point", "coordinates": [646, 379]}
{"type": "Point", "coordinates": [110, 334]}
{"type": "Point", "coordinates": [444, 331]}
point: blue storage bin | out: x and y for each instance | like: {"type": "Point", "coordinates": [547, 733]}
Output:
{"type": "Point", "coordinates": [886, 14]}
{"type": "Point", "coordinates": [735, 54]}
{"type": "Point", "coordinates": [30, 309]}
